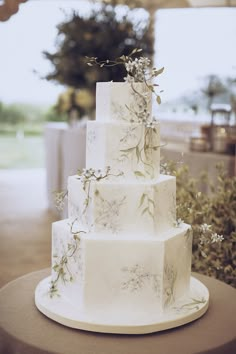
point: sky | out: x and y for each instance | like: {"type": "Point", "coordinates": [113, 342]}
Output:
{"type": "Point", "coordinates": [190, 43]}
{"type": "Point", "coordinates": [193, 43]}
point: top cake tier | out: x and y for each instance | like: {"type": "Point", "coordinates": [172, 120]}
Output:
{"type": "Point", "coordinates": [122, 101]}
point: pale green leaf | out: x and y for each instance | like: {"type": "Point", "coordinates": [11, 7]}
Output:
{"type": "Point", "coordinates": [139, 174]}
{"type": "Point", "coordinates": [137, 153]}
{"type": "Point", "coordinates": [158, 72]}
{"type": "Point", "coordinates": [128, 150]}
{"type": "Point", "coordinates": [158, 99]}
{"type": "Point", "coordinates": [151, 201]}
{"type": "Point", "coordinates": [145, 211]}
{"type": "Point", "coordinates": [142, 199]}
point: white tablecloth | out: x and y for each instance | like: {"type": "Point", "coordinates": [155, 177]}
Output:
{"type": "Point", "coordinates": [199, 162]}
{"type": "Point", "coordinates": [65, 154]}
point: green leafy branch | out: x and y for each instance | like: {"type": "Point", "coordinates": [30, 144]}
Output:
{"type": "Point", "coordinates": [61, 265]}
{"type": "Point", "coordinates": [87, 176]}
{"type": "Point", "coordinates": [194, 304]}
{"type": "Point", "coordinates": [141, 150]}
{"type": "Point", "coordinates": [59, 199]}
{"type": "Point", "coordinates": [146, 205]}
{"type": "Point", "coordinates": [211, 215]}
{"type": "Point", "coordinates": [137, 69]}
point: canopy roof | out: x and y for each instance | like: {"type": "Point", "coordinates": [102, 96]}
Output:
{"type": "Point", "coordinates": [162, 4]}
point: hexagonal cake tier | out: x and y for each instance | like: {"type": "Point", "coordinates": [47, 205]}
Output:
{"type": "Point", "coordinates": [119, 207]}
{"type": "Point", "coordinates": [129, 279]}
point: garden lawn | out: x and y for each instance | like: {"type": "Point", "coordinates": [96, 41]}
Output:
{"type": "Point", "coordinates": [21, 152]}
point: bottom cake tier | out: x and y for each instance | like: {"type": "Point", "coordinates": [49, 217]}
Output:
{"type": "Point", "coordinates": [120, 277]}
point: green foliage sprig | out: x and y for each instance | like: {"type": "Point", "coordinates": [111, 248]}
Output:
{"type": "Point", "coordinates": [212, 217]}
{"type": "Point", "coordinates": [59, 199]}
{"type": "Point", "coordinates": [89, 175]}
{"type": "Point", "coordinates": [61, 264]}
{"type": "Point", "coordinates": [142, 149]}
{"type": "Point", "coordinates": [147, 205]}
{"type": "Point", "coordinates": [137, 70]}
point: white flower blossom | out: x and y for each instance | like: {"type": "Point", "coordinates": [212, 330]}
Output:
{"type": "Point", "coordinates": [215, 238]}
{"type": "Point", "coordinates": [165, 169]}
{"type": "Point", "coordinates": [178, 223]}
{"type": "Point", "coordinates": [136, 69]}
{"type": "Point", "coordinates": [205, 227]}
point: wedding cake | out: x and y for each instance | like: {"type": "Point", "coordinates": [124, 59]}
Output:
{"type": "Point", "coordinates": [121, 257]}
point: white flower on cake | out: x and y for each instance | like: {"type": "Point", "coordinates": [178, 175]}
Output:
{"type": "Point", "coordinates": [138, 71]}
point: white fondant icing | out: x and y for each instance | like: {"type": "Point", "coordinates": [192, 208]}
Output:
{"type": "Point", "coordinates": [130, 147]}
{"type": "Point", "coordinates": [122, 102]}
{"type": "Point", "coordinates": [119, 254]}
{"type": "Point", "coordinates": [127, 278]}
{"type": "Point", "coordinates": [120, 207]}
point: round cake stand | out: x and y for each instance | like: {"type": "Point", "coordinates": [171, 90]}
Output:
{"type": "Point", "coordinates": [185, 310]}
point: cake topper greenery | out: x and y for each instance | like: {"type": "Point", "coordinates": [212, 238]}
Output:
{"type": "Point", "coordinates": [137, 70]}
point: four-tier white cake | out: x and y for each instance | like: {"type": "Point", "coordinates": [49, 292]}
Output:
{"type": "Point", "coordinates": [120, 256]}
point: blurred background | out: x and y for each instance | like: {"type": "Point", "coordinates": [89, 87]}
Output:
{"type": "Point", "coordinates": [47, 93]}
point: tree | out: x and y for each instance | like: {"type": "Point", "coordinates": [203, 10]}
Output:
{"type": "Point", "coordinates": [108, 32]}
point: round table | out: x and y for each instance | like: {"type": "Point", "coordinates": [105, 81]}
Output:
{"type": "Point", "coordinates": [24, 330]}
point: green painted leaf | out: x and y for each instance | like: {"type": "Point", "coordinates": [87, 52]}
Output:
{"type": "Point", "coordinates": [158, 99]}
{"type": "Point", "coordinates": [139, 174]}
{"type": "Point", "coordinates": [137, 153]}
{"type": "Point", "coordinates": [128, 150]}
{"type": "Point", "coordinates": [151, 201]}
{"type": "Point", "coordinates": [155, 148]}
{"type": "Point", "coordinates": [151, 88]}
{"type": "Point", "coordinates": [150, 213]}
{"type": "Point", "coordinates": [142, 199]}
{"type": "Point", "coordinates": [145, 211]}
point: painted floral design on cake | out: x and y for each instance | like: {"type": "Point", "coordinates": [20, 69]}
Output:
{"type": "Point", "coordinates": [137, 278]}
{"type": "Point", "coordinates": [137, 146]}
{"type": "Point", "coordinates": [66, 261]}
{"type": "Point", "coordinates": [91, 138]}
{"type": "Point", "coordinates": [147, 204]}
{"type": "Point", "coordinates": [108, 212]}
{"type": "Point", "coordinates": [189, 305]}
{"type": "Point", "coordinates": [170, 276]}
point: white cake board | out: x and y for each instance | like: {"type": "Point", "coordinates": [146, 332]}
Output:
{"type": "Point", "coordinates": [183, 311]}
